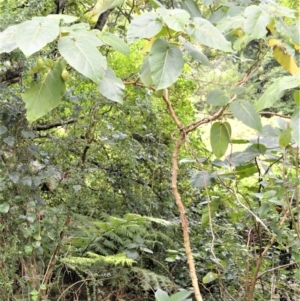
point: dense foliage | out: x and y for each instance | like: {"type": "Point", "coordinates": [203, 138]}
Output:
{"type": "Point", "coordinates": [138, 157]}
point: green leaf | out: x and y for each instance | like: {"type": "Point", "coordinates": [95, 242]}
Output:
{"type": "Point", "coordinates": [85, 36]}
{"type": "Point", "coordinates": [209, 277]}
{"type": "Point", "coordinates": [285, 138]}
{"type": "Point", "coordinates": [145, 74]}
{"type": "Point", "coordinates": [297, 274]}
{"type": "Point", "coordinates": [201, 179]}
{"type": "Point", "coordinates": [191, 7]}
{"type": "Point", "coordinates": [84, 57]}
{"type": "Point", "coordinates": [43, 97]}
{"type": "Point", "coordinates": [111, 86]}
{"type": "Point", "coordinates": [295, 125]}
{"type": "Point", "coordinates": [296, 97]}
{"type": "Point", "coordinates": [3, 129]}
{"type": "Point", "coordinates": [32, 36]}
{"type": "Point", "coordinates": [7, 39]}
{"type": "Point", "coordinates": [166, 63]}
{"type": "Point", "coordinates": [244, 111]}
{"type": "Point", "coordinates": [209, 211]}
{"type": "Point", "coordinates": [65, 18]}
{"type": "Point", "coordinates": [276, 91]}
{"type": "Point", "coordinates": [256, 21]}
{"type": "Point", "coordinates": [175, 19]}
{"type": "Point", "coordinates": [180, 296]}
{"type": "Point", "coordinates": [238, 90]}
{"type": "Point", "coordinates": [207, 34]}
{"type": "Point", "coordinates": [220, 134]}
{"type": "Point", "coordinates": [115, 42]}
{"type": "Point", "coordinates": [218, 98]}
{"type": "Point", "coordinates": [144, 26]}
{"type": "Point", "coordinates": [161, 295]}
{"type": "Point", "coordinates": [4, 207]}
{"type": "Point", "coordinates": [195, 53]}
{"type": "Point", "coordinates": [28, 250]}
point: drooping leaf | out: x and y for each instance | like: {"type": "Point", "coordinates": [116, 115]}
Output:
{"type": "Point", "coordinates": [161, 295]}
{"type": "Point", "coordinates": [180, 296]}
{"type": "Point", "coordinates": [115, 42]}
{"type": "Point", "coordinates": [175, 19]}
{"type": "Point", "coordinates": [209, 277]}
{"type": "Point", "coordinates": [111, 86]}
{"type": "Point", "coordinates": [295, 125]}
{"type": "Point", "coordinates": [43, 97]}
{"type": "Point", "coordinates": [276, 91]}
{"type": "Point", "coordinates": [144, 26]}
{"type": "Point", "coordinates": [209, 211]}
{"type": "Point", "coordinates": [286, 60]}
{"type": "Point", "coordinates": [245, 112]}
{"type": "Point", "coordinates": [285, 138]}
{"type": "Point", "coordinates": [145, 74]}
{"type": "Point", "coordinates": [195, 53]}
{"type": "Point", "coordinates": [220, 134]}
{"type": "Point", "coordinates": [166, 63]}
{"type": "Point", "coordinates": [7, 39]}
{"type": "Point", "coordinates": [256, 21]}
{"type": "Point", "coordinates": [84, 57]}
{"type": "Point", "coordinates": [207, 34]}
{"type": "Point", "coordinates": [32, 36]}
{"type": "Point", "coordinates": [191, 7]}
{"type": "Point", "coordinates": [201, 179]}
{"type": "Point", "coordinates": [218, 98]}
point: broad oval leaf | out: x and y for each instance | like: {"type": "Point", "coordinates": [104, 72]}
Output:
{"type": "Point", "coordinates": [191, 7]}
{"type": "Point", "coordinates": [276, 91]}
{"type": "Point", "coordinates": [166, 63]}
{"type": "Point", "coordinates": [209, 277]}
{"type": "Point", "coordinates": [295, 125]}
{"type": "Point", "coordinates": [201, 179]}
{"type": "Point", "coordinates": [207, 34]}
{"type": "Point", "coordinates": [180, 296]}
{"type": "Point", "coordinates": [31, 36]}
{"type": "Point", "coordinates": [175, 19]}
{"type": "Point", "coordinates": [220, 134]}
{"type": "Point", "coordinates": [115, 42]}
{"type": "Point", "coordinates": [84, 57]}
{"type": "Point", "coordinates": [145, 74]}
{"type": "Point", "coordinates": [256, 21]}
{"type": "Point", "coordinates": [43, 97]}
{"type": "Point", "coordinates": [285, 138]}
{"type": "Point", "coordinates": [4, 207]}
{"type": "Point", "coordinates": [7, 39]}
{"type": "Point", "coordinates": [195, 53]}
{"type": "Point", "coordinates": [144, 26]}
{"type": "Point", "coordinates": [217, 98]}
{"type": "Point", "coordinates": [245, 112]}
{"type": "Point", "coordinates": [111, 86]}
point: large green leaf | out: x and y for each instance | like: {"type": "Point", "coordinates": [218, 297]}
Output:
{"type": "Point", "coordinates": [220, 134]}
{"type": "Point", "coordinates": [111, 86]}
{"type": "Point", "coordinates": [102, 6]}
{"type": "Point", "coordinates": [295, 125]}
{"type": "Point", "coordinates": [7, 39]}
{"type": "Point", "coordinates": [83, 56]}
{"type": "Point", "coordinates": [218, 98]}
{"type": "Point", "coordinates": [209, 277]}
{"type": "Point", "coordinates": [175, 19]}
{"type": "Point", "coordinates": [31, 36]}
{"type": "Point", "coordinates": [45, 96]}
{"type": "Point", "coordinates": [276, 91]}
{"type": "Point", "coordinates": [144, 26]}
{"type": "Point", "coordinates": [115, 42]}
{"type": "Point", "coordinates": [209, 211]}
{"type": "Point", "coordinates": [145, 74]}
{"type": "Point", "coordinates": [161, 295]}
{"type": "Point", "coordinates": [245, 112]}
{"type": "Point", "coordinates": [191, 7]}
{"type": "Point", "coordinates": [285, 138]}
{"type": "Point", "coordinates": [256, 21]}
{"type": "Point", "coordinates": [201, 179]}
{"type": "Point", "coordinates": [195, 53]}
{"type": "Point", "coordinates": [207, 34]}
{"type": "Point", "coordinates": [180, 296]}
{"type": "Point", "coordinates": [166, 63]}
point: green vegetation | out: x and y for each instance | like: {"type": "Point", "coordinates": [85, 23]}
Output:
{"type": "Point", "coordinates": [149, 150]}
